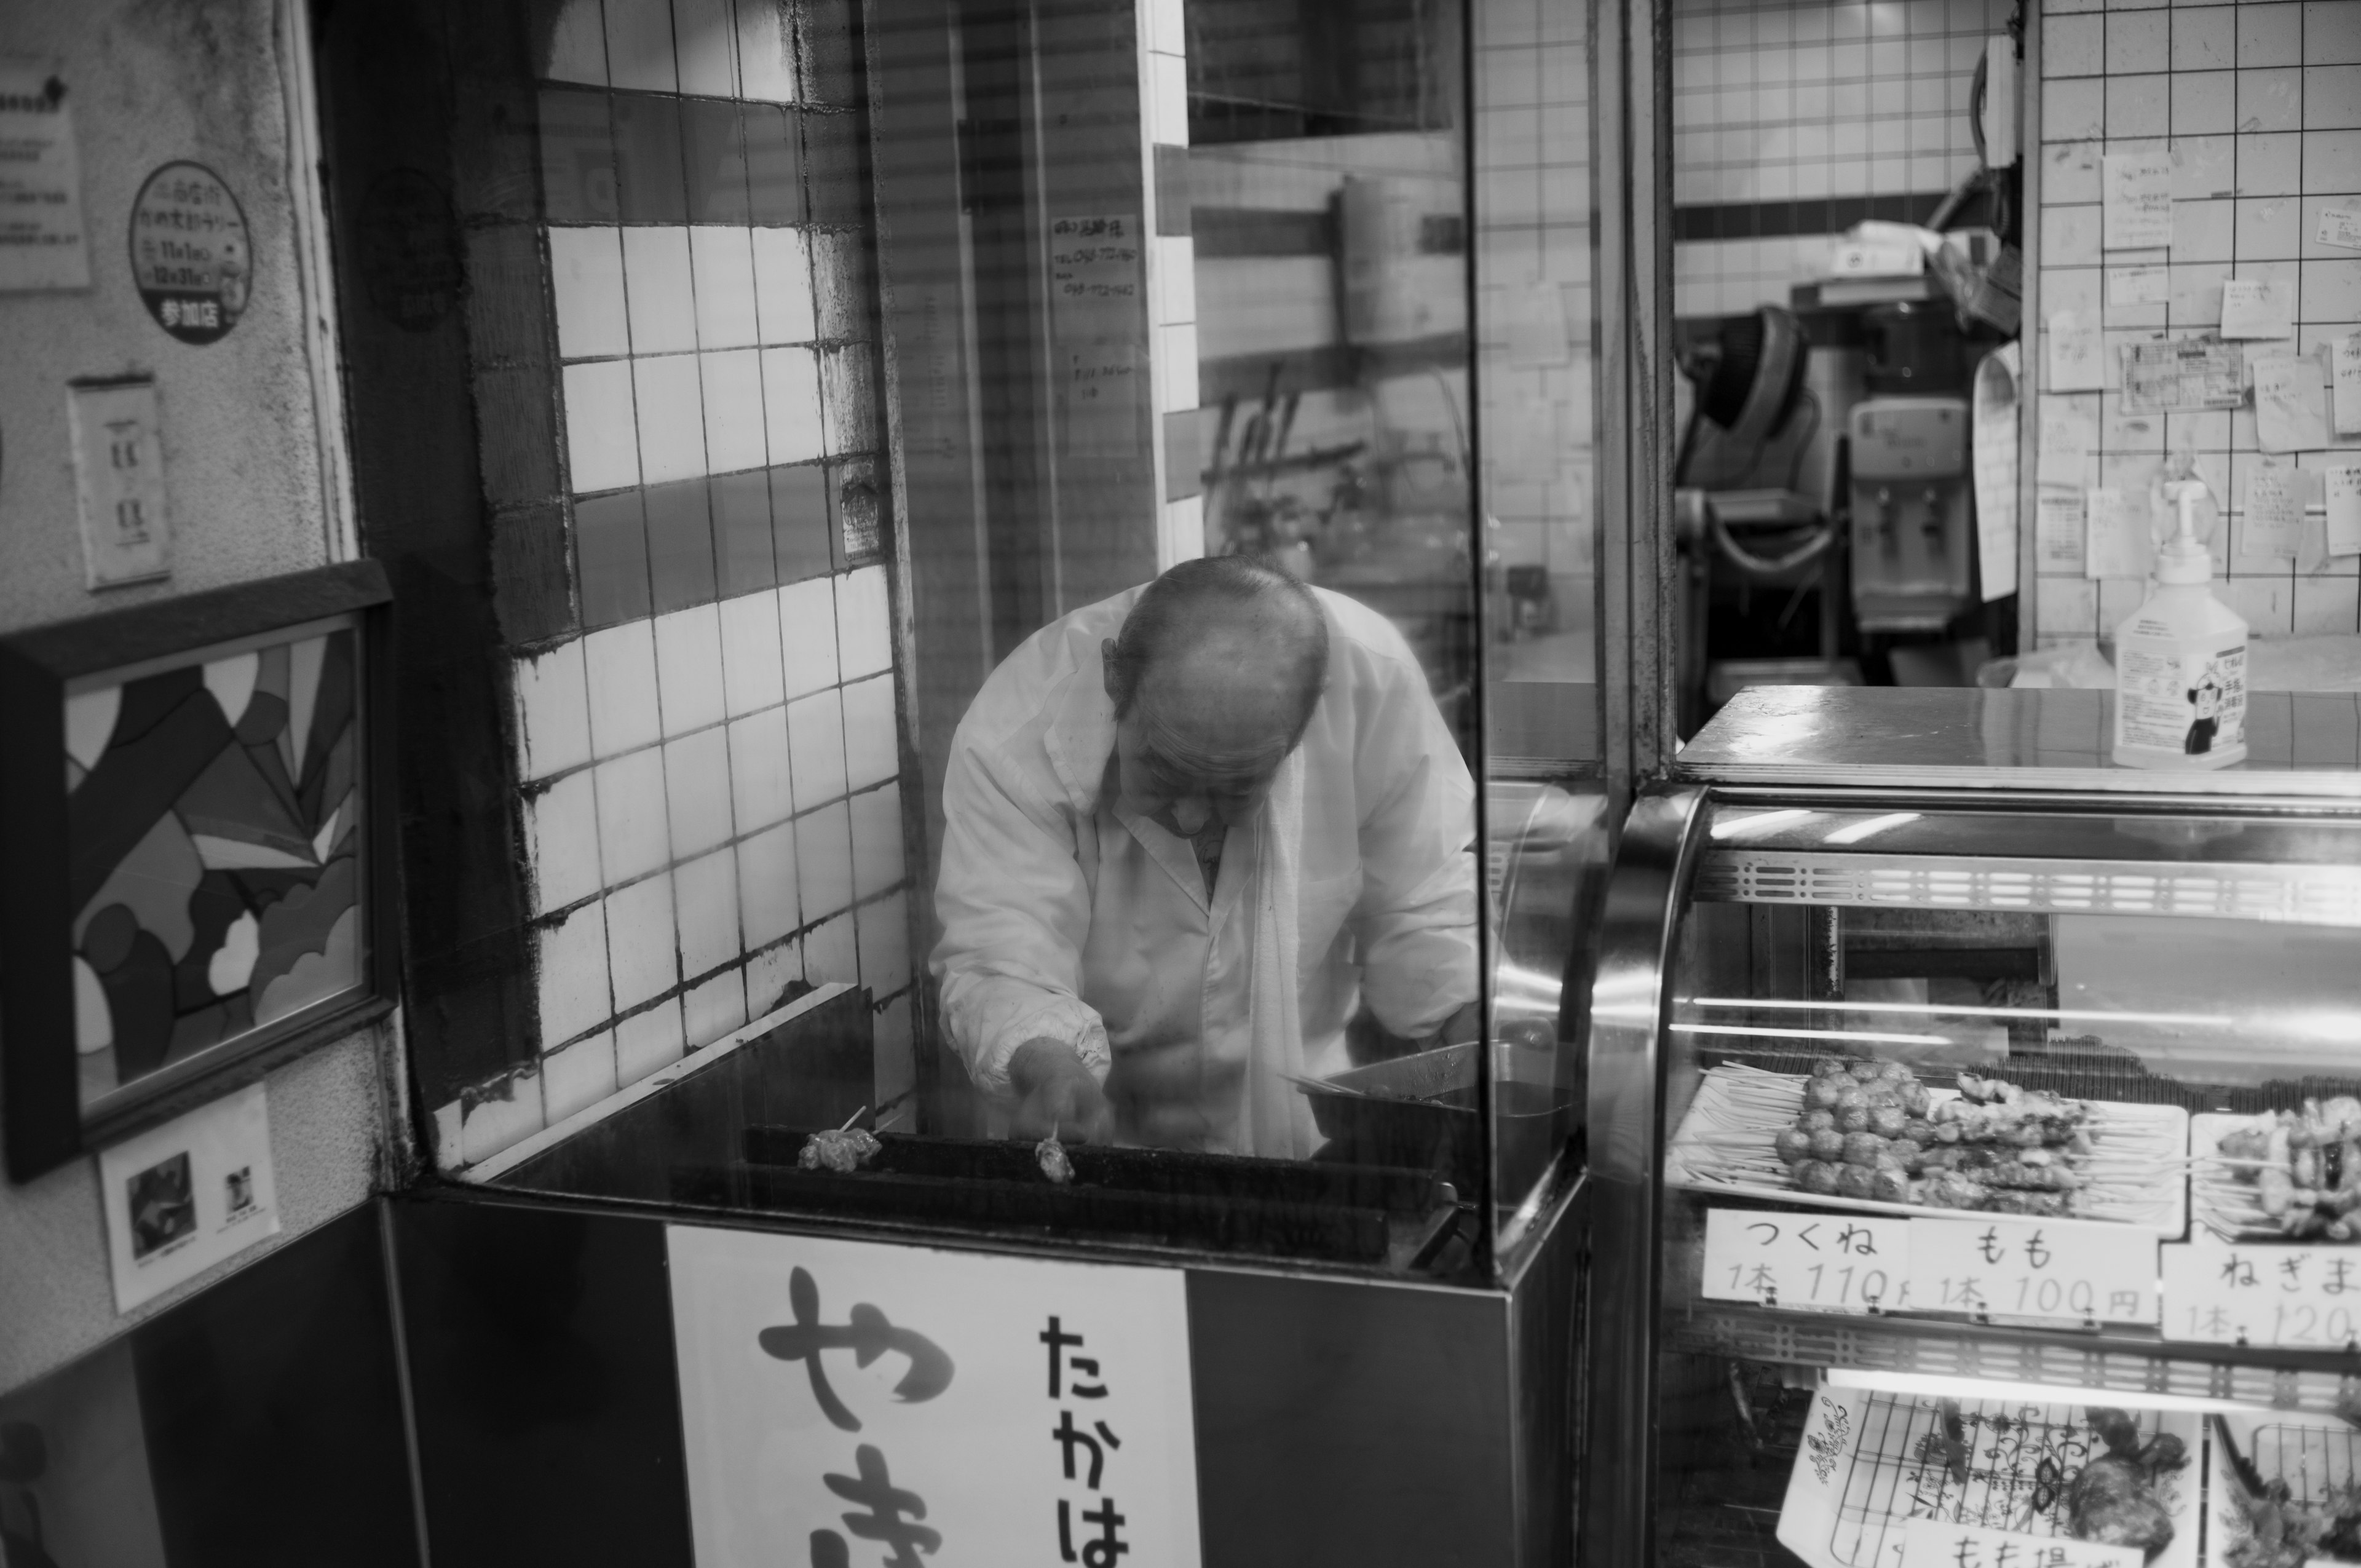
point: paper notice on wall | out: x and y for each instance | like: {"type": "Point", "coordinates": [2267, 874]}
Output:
{"type": "Point", "coordinates": [41, 240]}
{"type": "Point", "coordinates": [1095, 277]}
{"type": "Point", "coordinates": [2116, 530]}
{"type": "Point", "coordinates": [2347, 369]}
{"type": "Point", "coordinates": [181, 1197]}
{"type": "Point", "coordinates": [2068, 436]}
{"type": "Point", "coordinates": [2139, 286]}
{"type": "Point", "coordinates": [2138, 190]}
{"type": "Point", "coordinates": [1993, 449]}
{"type": "Point", "coordinates": [2290, 404]}
{"type": "Point", "coordinates": [2183, 374]}
{"type": "Point", "coordinates": [2339, 226]}
{"type": "Point", "coordinates": [2257, 308]}
{"type": "Point", "coordinates": [2343, 511]}
{"type": "Point", "coordinates": [2057, 533]}
{"type": "Point", "coordinates": [2077, 354]}
{"type": "Point", "coordinates": [2274, 512]}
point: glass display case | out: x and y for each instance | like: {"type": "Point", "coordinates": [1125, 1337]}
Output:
{"type": "Point", "coordinates": [1970, 1125]}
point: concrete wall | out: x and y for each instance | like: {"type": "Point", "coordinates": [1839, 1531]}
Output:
{"type": "Point", "coordinates": [250, 496]}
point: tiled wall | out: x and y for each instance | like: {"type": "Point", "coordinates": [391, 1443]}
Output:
{"type": "Point", "coordinates": [709, 797]}
{"type": "Point", "coordinates": [2259, 106]}
{"type": "Point", "coordinates": [1791, 123]}
{"type": "Point", "coordinates": [1171, 279]}
{"type": "Point", "coordinates": [1533, 275]}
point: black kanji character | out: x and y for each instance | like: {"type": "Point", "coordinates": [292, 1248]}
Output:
{"type": "Point", "coordinates": [869, 1335]}
{"type": "Point", "coordinates": [873, 1489]}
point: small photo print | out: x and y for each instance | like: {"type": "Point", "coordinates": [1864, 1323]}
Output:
{"type": "Point", "coordinates": [163, 1206]}
{"type": "Point", "coordinates": [241, 1190]}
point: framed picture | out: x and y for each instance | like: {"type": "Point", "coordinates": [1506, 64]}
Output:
{"type": "Point", "coordinates": [196, 831]}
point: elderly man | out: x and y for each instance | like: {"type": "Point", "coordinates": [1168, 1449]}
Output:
{"type": "Point", "coordinates": [1187, 829]}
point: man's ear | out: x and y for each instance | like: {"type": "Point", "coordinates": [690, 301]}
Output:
{"type": "Point", "coordinates": [1106, 669]}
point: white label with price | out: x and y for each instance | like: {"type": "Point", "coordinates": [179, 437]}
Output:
{"type": "Point", "coordinates": [2283, 1298]}
{"type": "Point", "coordinates": [1836, 1262]}
{"type": "Point", "coordinates": [2063, 1269]}
{"type": "Point", "coordinates": [1931, 1543]}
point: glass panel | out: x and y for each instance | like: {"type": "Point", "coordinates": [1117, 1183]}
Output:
{"type": "Point", "coordinates": [1008, 755]}
{"type": "Point", "coordinates": [1947, 1093]}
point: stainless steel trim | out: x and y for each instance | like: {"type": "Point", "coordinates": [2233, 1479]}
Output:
{"type": "Point", "coordinates": [2319, 895]}
{"type": "Point", "coordinates": [1626, 1140]}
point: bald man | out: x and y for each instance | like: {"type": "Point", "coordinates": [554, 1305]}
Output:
{"type": "Point", "coordinates": [1188, 829]}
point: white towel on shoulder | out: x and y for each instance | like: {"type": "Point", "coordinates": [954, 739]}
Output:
{"type": "Point", "coordinates": [1275, 1120]}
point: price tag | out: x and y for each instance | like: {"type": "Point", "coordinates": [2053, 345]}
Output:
{"type": "Point", "coordinates": [2070, 1270]}
{"type": "Point", "coordinates": [1838, 1262]}
{"type": "Point", "coordinates": [1931, 1543]}
{"type": "Point", "coordinates": [2277, 1297]}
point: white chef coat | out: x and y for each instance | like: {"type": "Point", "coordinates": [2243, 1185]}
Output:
{"type": "Point", "coordinates": [1066, 916]}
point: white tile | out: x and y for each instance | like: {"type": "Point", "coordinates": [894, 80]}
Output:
{"type": "Point", "coordinates": [634, 835]}
{"type": "Point", "coordinates": [561, 832]}
{"type": "Point", "coordinates": [586, 275]}
{"type": "Point", "coordinates": [897, 1070]}
{"type": "Point", "coordinates": [647, 1042]}
{"type": "Point", "coordinates": [1176, 279]}
{"type": "Point", "coordinates": [553, 711]}
{"type": "Point", "coordinates": [1176, 366]}
{"type": "Point", "coordinates": [619, 666]}
{"type": "Point", "coordinates": [766, 53]}
{"type": "Point", "coordinates": [570, 965]}
{"type": "Point", "coordinates": [2332, 290]}
{"type": "Point", "coordinates": [876, 840]}
{"type": "Point", "coordinates": [2139, 41]}
{"type": "Point", "coordinates": [760, 792]}
{"type": "Point", "coordinates": [767, 895]}
{"type": "Point", "coordinates": [578, 45]}
{"type": "Point", "coordinates": [1163, 23]}
{"type": "Point", "coordinates": [829, 954]}
{"type": "Point", "coordinates": [751, 677]}
{"type": "Point", "coordinates": [2332, 160]}
{"type": "Point", "coordinates": [638, 45]}
{"type": "Point", "coordinates": [671, 417]}
{"type": "Point", "coordinates": [2204, 38]}
{"type": "Point", "coordinates": [2326, 605]}
{"type": "Point", "coordinates": [732, 384]}
{"type": "Point", "coordinates": [2270, 35]}
{"type": "Point", "coordinates": [662, 297]}
{"type": "Point", "coordinates": [816, 748]}
{"type": "Point", "coordinates": [768, 975]}
{"type": "Point", "coordinates": [808, 635]}
{"type": "Point", "coordinates": [2072, 46]}
{"type": "Point", "coordinates": [1168, 100]}
{"type": "Point", "coordinates": [497, 1120]}
{"type": "Point", "coordinates": [791, 403]}
{"type": "Point", "coordinates": [2332, 32]}
{"type": "Point", "coordinates": [575, 1077]}
{"type": "Point", "coordinates": [715, 1007]}
{"type": "Point", "coordinates": [883, 932]}
{"type": "Point", "coordinates": [704, 35]}
{"type": "Point", "coordinates": [2331, 97]}
{"type": "Point", "coordinates": [688, 667]}
{"type": "Point", "coordinates": [722, 260]}
{"type": "Point", "coordinates": [782, 286]}
{"type": "Point", "coordinates": [824, 862]}
{"type": "Point", "coordinates": [643, 952]}
{"type": "Point", "coordinates": [872, 752]}
{"type": "Point", "coordinates": [2272, 99]}
{"type": "Point", "coordinates": [697, 791]}
{"type": "Point", "coordinates": [704, 892]}
{"type": "Point", "coordinates": [449, 1118]}
{"type": "Point", "coordinates": [602, 444]}
{"type": "Point", "coordinates": [2204, 103]}
{"type": "Point", "coordinates": [864, 623]}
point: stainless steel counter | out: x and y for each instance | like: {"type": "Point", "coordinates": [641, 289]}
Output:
{"type": "Point", "coordinates": [2297, 743]}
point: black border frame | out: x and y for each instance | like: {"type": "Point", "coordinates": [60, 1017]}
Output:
{"type": "Point", "coordinates": [40, 1113]}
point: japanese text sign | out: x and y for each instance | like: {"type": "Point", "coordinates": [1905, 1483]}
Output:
{"type": "Point", "coordinates": [1832, 1262]}
{"type": "Point", "coordinates": [2278, 1296]}
{"type": "Point", "coordinates": [846, 1403]}
{"type": "Point", "coordinates": [2077, 1272]}
{"type": "Point", "coordinates": [1931, 1543]}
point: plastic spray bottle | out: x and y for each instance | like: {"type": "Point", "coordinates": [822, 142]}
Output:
{"type": "Point", "coordinates": [2180, 658]}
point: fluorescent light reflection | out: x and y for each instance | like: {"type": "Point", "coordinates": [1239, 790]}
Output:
{"type": "Point", "coordinates": [1854, 833]}
{"type": "Point", "coordinates": [1935, 1386]}
{"type": "Point", "coordinates": [1849, 1036]}
{"type": "Point", "coordinates": [1759, 822]}
{"type": "Point", "coordinates": [1921, 1009]}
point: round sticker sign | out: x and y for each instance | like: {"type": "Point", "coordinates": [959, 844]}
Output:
{"type": "Point", "coordinates": [191, 255]}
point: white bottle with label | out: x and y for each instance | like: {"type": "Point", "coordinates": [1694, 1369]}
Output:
{"type": "Point", "coordinates": [2180, 660]}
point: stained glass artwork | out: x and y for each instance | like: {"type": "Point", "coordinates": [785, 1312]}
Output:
{"type": "Point", "coordinates": [214, 841]}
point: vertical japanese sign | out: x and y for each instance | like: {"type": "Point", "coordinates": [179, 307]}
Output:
{"type": "Point", "coordinates": [850, 1404]}
{"type": "Point", "coordinates": [41, 242]}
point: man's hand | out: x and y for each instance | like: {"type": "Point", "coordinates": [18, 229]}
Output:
{"type": "Point", "coordinates": [1057, 1093]}
{"type": "Point", "coordinates": [1464, 1026]}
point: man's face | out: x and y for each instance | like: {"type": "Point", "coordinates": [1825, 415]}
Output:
{"type": "Point", "coordinates": [1199, 742]}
